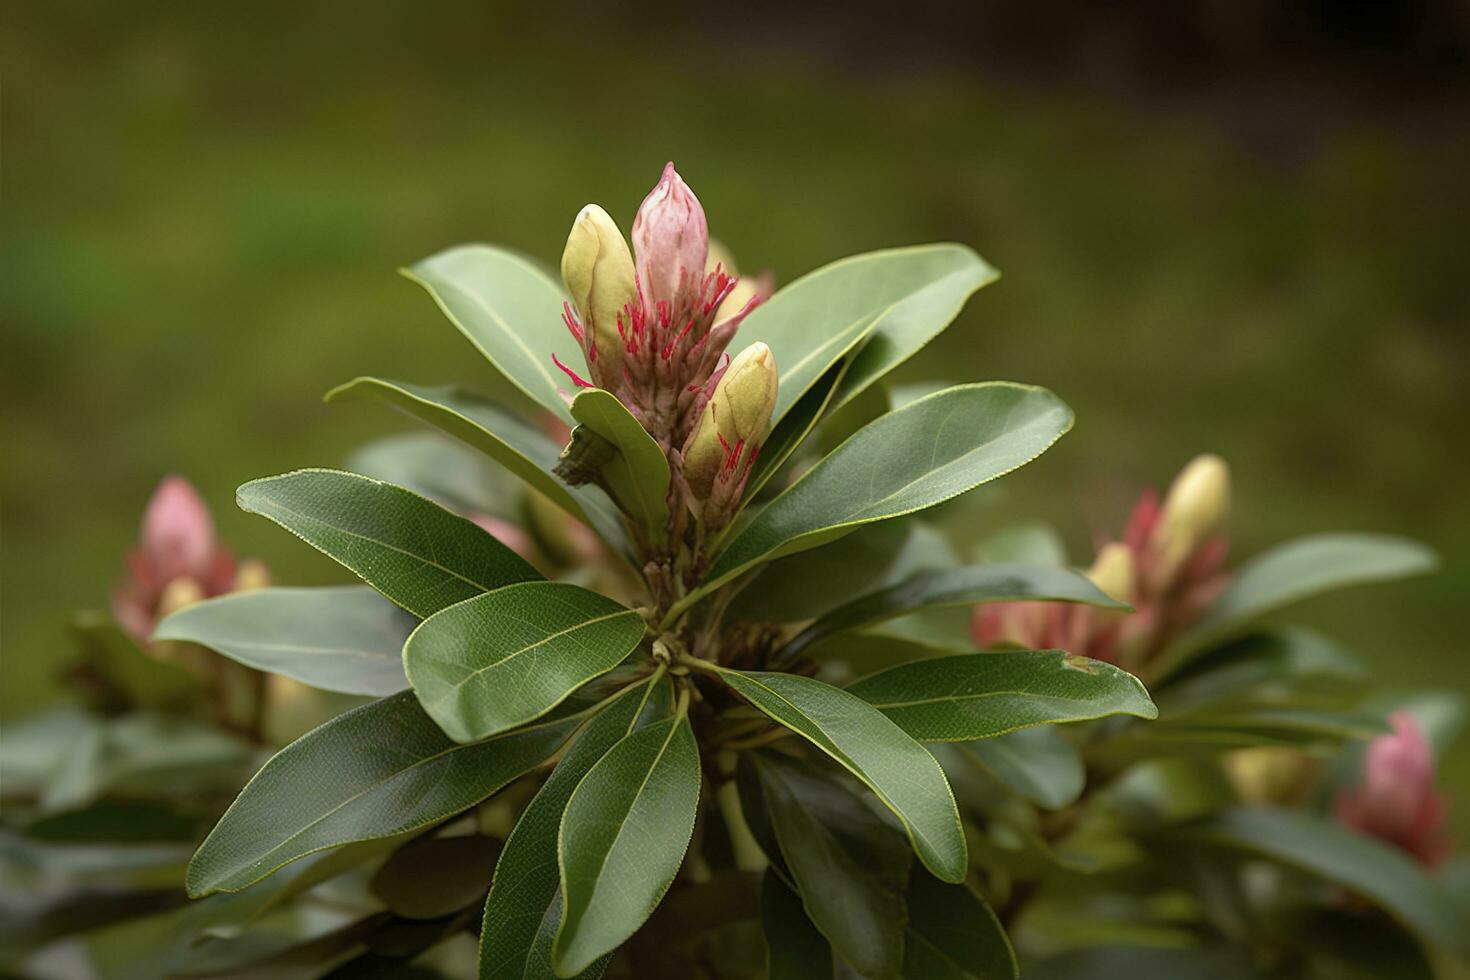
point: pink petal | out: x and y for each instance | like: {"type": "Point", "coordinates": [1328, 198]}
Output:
{"type": "Point", "coordinates": [178, 533]}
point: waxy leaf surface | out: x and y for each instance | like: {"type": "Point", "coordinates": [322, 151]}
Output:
{"type": "Point", "coordinates": [639, 474]}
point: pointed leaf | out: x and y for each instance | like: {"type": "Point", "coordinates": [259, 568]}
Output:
{"type": "Point", "coordinates": [899, 770]}
{"type": "Point", "coordinates": [520, 447]}
{"type": "Point", "coordinates": [910, 459]}
{"type": "Point", "coordinates": [526, 892]}
{"type": "Point", "coordinates": [379, 770]}
{"type": "Point", "coordinates": [954, 587]}
{"type": "Point", "coordinates": [977, 695]}
{"type": "Point", "coordinates": [639, 474]}
{"type": "Point", "coordinates": [953, 934]}
{"type": "Point", "coordinates": [410, 549]}
{"type": "Point", "coordinates": [342, 638]}
{"type": "Point", "coordinates": [623, 838]}
{"type": "Point", "coordinates": [510, 309]}
{"type": "Point", "coordinates": [503, 658]}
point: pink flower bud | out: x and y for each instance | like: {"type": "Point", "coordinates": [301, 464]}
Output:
{"type": "Point", "coordinates": [670, 239]}
{"type": "Point", "coordinates": [178, 533]}
{"type": "Point", "coordinates": [1396, 801]}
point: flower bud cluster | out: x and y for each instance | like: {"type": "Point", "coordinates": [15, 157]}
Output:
{"type": "Point", "coordinates": [1396, 801]}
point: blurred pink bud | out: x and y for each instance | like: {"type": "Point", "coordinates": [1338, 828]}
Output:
{"type": "Point", "coordinates": [670, 238]}
{"type": "Point", "coordinates": [1396, 801]}
{"type": "Point", "coordinates": [178, 533]}
{"type": "Point", "coordinates": [507, 534]}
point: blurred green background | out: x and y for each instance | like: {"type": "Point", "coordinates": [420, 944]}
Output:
{"type": "Point", "coordinates": [1221, 228]}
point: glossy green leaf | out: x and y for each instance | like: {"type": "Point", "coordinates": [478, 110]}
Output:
{"type": "Point", "coordinates": [623, 838]}
{"type": "Point", "coordinates": [953, 587]}
{"type": "Point", "coordinates": [1295, 571]}
{"type": "Point", "coordinates": [510, 309]}
{"type": "Point", "coordinates": [341, 638]}
{"type": "Point", "coordinates": [408, 548]}
{"type": "Point", "coordinates": [503, 658]}
{"type": "Point", "coordinates": [440, 467]}
{"type": "Point", "coordinates": [1371, 869]}
{"type": "Point", "coordinates": [900, 771]}
{"type": "Point", "coordinates": [638, 475]}
{"type": "Point", "coordinates": [953, 934]}
{"type": "Point", "coordinates": [850, 867]}
{"type": "Point", "coordinates": [977, 695]}
{"type": "Point", "coordinates": [519, 446]}
{"type": "Point", "coordinates": [515, 942]}
{"type": "Point", "coordinates": [1038, 764]}
{"type": "Point", "coordinates": [906, 294]}
{"type": "Point", "coordinates": [795, 950]}
{"type": "Point", "coordinates": [379, 770]}
{"type": "Point", "coordinates": [914, 458]}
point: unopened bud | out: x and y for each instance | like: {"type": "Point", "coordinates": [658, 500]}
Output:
{"type": "Point", "coordinates": [598, 271]}
{"type": "Point", "coordinates": [670, 238]}
{"type": "Point", "coordinates": [1194, 510]}
{"type": "Point", "coordinates": [179, 594]}
{"type": "Point", "coordinates": [746, 288]}
{"type": "Point", "coordinates": [734, 421]}
{"type": "Point", "coordinates": [1113, 571]}
{"type": "Point", "coordinates": [1270, 775]}
{"type": "Point", "coordinates": [252, 574]}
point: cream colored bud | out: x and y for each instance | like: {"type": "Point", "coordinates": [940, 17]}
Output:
{"type": "Point", "coordinates": [735, 420]}
{"type": "Point", "coordinates": [1113, 571]}
{"type": "Point", "coordinates": [179, 594]}
{"type": "Point", "coordinates": [597, 268]}
{"type": "Point", "coordinates": [1195, 509]}
{"type": "Point", "coordinates": [1270, 775]}
{"type": "Point", "coordinates": [252, 574]}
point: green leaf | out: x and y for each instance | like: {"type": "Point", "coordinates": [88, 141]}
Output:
{"type": "Point", "coordinates": [795, 950]}
{"type": "Point", "coordinates": [904, 296]}
{"type": "Point", "coordinates": [977, 695]}
{"type": "Point", "coordinates": [788, 435]}
{"type": "Point", "coordinates": [1022, 544]}
{"type": "Point", "coordinates": [1295, 571]}
{"type": "Point", "coordinates": [432, 877]}
{"type": "Point", "coordinates": [910, 459]}
{"type": "Point", "coordinates": [899, 770]}
{"type": "Point", "coordinates": [124, 675]}
{"type": "Point", "coordinates": [503, 658]}
{"type": "Point", "coordinates": [439, 467]}
{"type": "Point", "coordinates": [1261, 667]}
{"type": "Point", "coordinates": [622, 839]}
{"type": "Point", "coordinates": [510, 309]}
{"type": "Point", "coordinates": [1371, 869]}
{"type": "Point", "coordinates": [953, 587]}
{"type": "Point", "coordinates": [639, 474]}
{"type": "Point", "coordinates": [953, 934]}
{"type": "Point", "coordinates": [379, 770]}
{"type": "Point", "coordinates": [1038, 764]}
{"type": "Point", "coordinates": [410, 549]}
{"type": "Point", "coordinates": [850, 867]}
{"type": "Point", "coordinates": [523, 909]}
{"type": "Point", "coordinates": [341, 638]}
{"type": "Point", "coordinates": [520, 447]}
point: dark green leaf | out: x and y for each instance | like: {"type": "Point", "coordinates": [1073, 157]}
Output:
{"type": "Point", "coordinates": [432, 877]}
{"type": "Point", "coordinates": [410, 549]}
{"type": "Point", "coordinates": [638, 475]}
{"type": "Point", "coordinates": [795, 950]}
{"type": "Point", "coordinates": [379, 770]}
{"type": "Point", "coordinates": [899, 770]}
{"type": "Point", "coordinates": [953, 934]}
{"type": "Point", "coordinates": [977, 695]}
{"type": "Point", "coordinates": [342, 638]}
{"type": "Point", "coordinates": [503, 658]}
{"type": "Point", "coordinates": [623, 837]}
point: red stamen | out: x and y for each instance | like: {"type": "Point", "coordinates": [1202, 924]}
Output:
{"type": "Point", "coordinates": [570, 319]}
{"type": "Point", "coordinates": [576, 379]}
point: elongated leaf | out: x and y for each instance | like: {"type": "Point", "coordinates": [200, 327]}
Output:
{"type": "Point", "coordinates": [410, 549]}
{"type": "Point", "coordinates": [1374, 870]}
{"type": "Point", "coordinates": [817, 319]}
{"type": "Point", "coordinates": [953, 934]}
{"type": "Point", "coordinates": [1262, 667]}
{"type": "Point", "coordinates": [444, 469]}
{"type": "Point", "coordinates": [341, 638]}
{"type": "Point", "coordinates": [503, 658]}
{"type": "Point", "coordinates": [510, 309]}
{"type": "Point", "coordinates": [850, 867]}
{"type": "Point", "coordinates": [517, 445]}
{"type": "Point", "coordinates": [899, 770]}
{"type": "Point", "coordinates": [954, 587]}
{"type": "Point", "coordinates": [1036, 763]}
{"type": "Point", "coordinates": [1295, 571]}
{"type": "Point", "coordinates": [527, 887]}
{"type": "Point", "coordinates": [795, 950]}
{"type": "Point", "coordinates": [376, 771]}
{"type": "Point", "coordinates": [914, 458]}
{"type": "Point", "coordinates": [639, 474]}
{"type": "Point", "coordinates": [977, 695]}
{"type": "Point", "coordinates": [623, 837]}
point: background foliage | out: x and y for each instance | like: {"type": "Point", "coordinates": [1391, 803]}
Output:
{"type": "Point", "coordinates": [1263, 256]}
